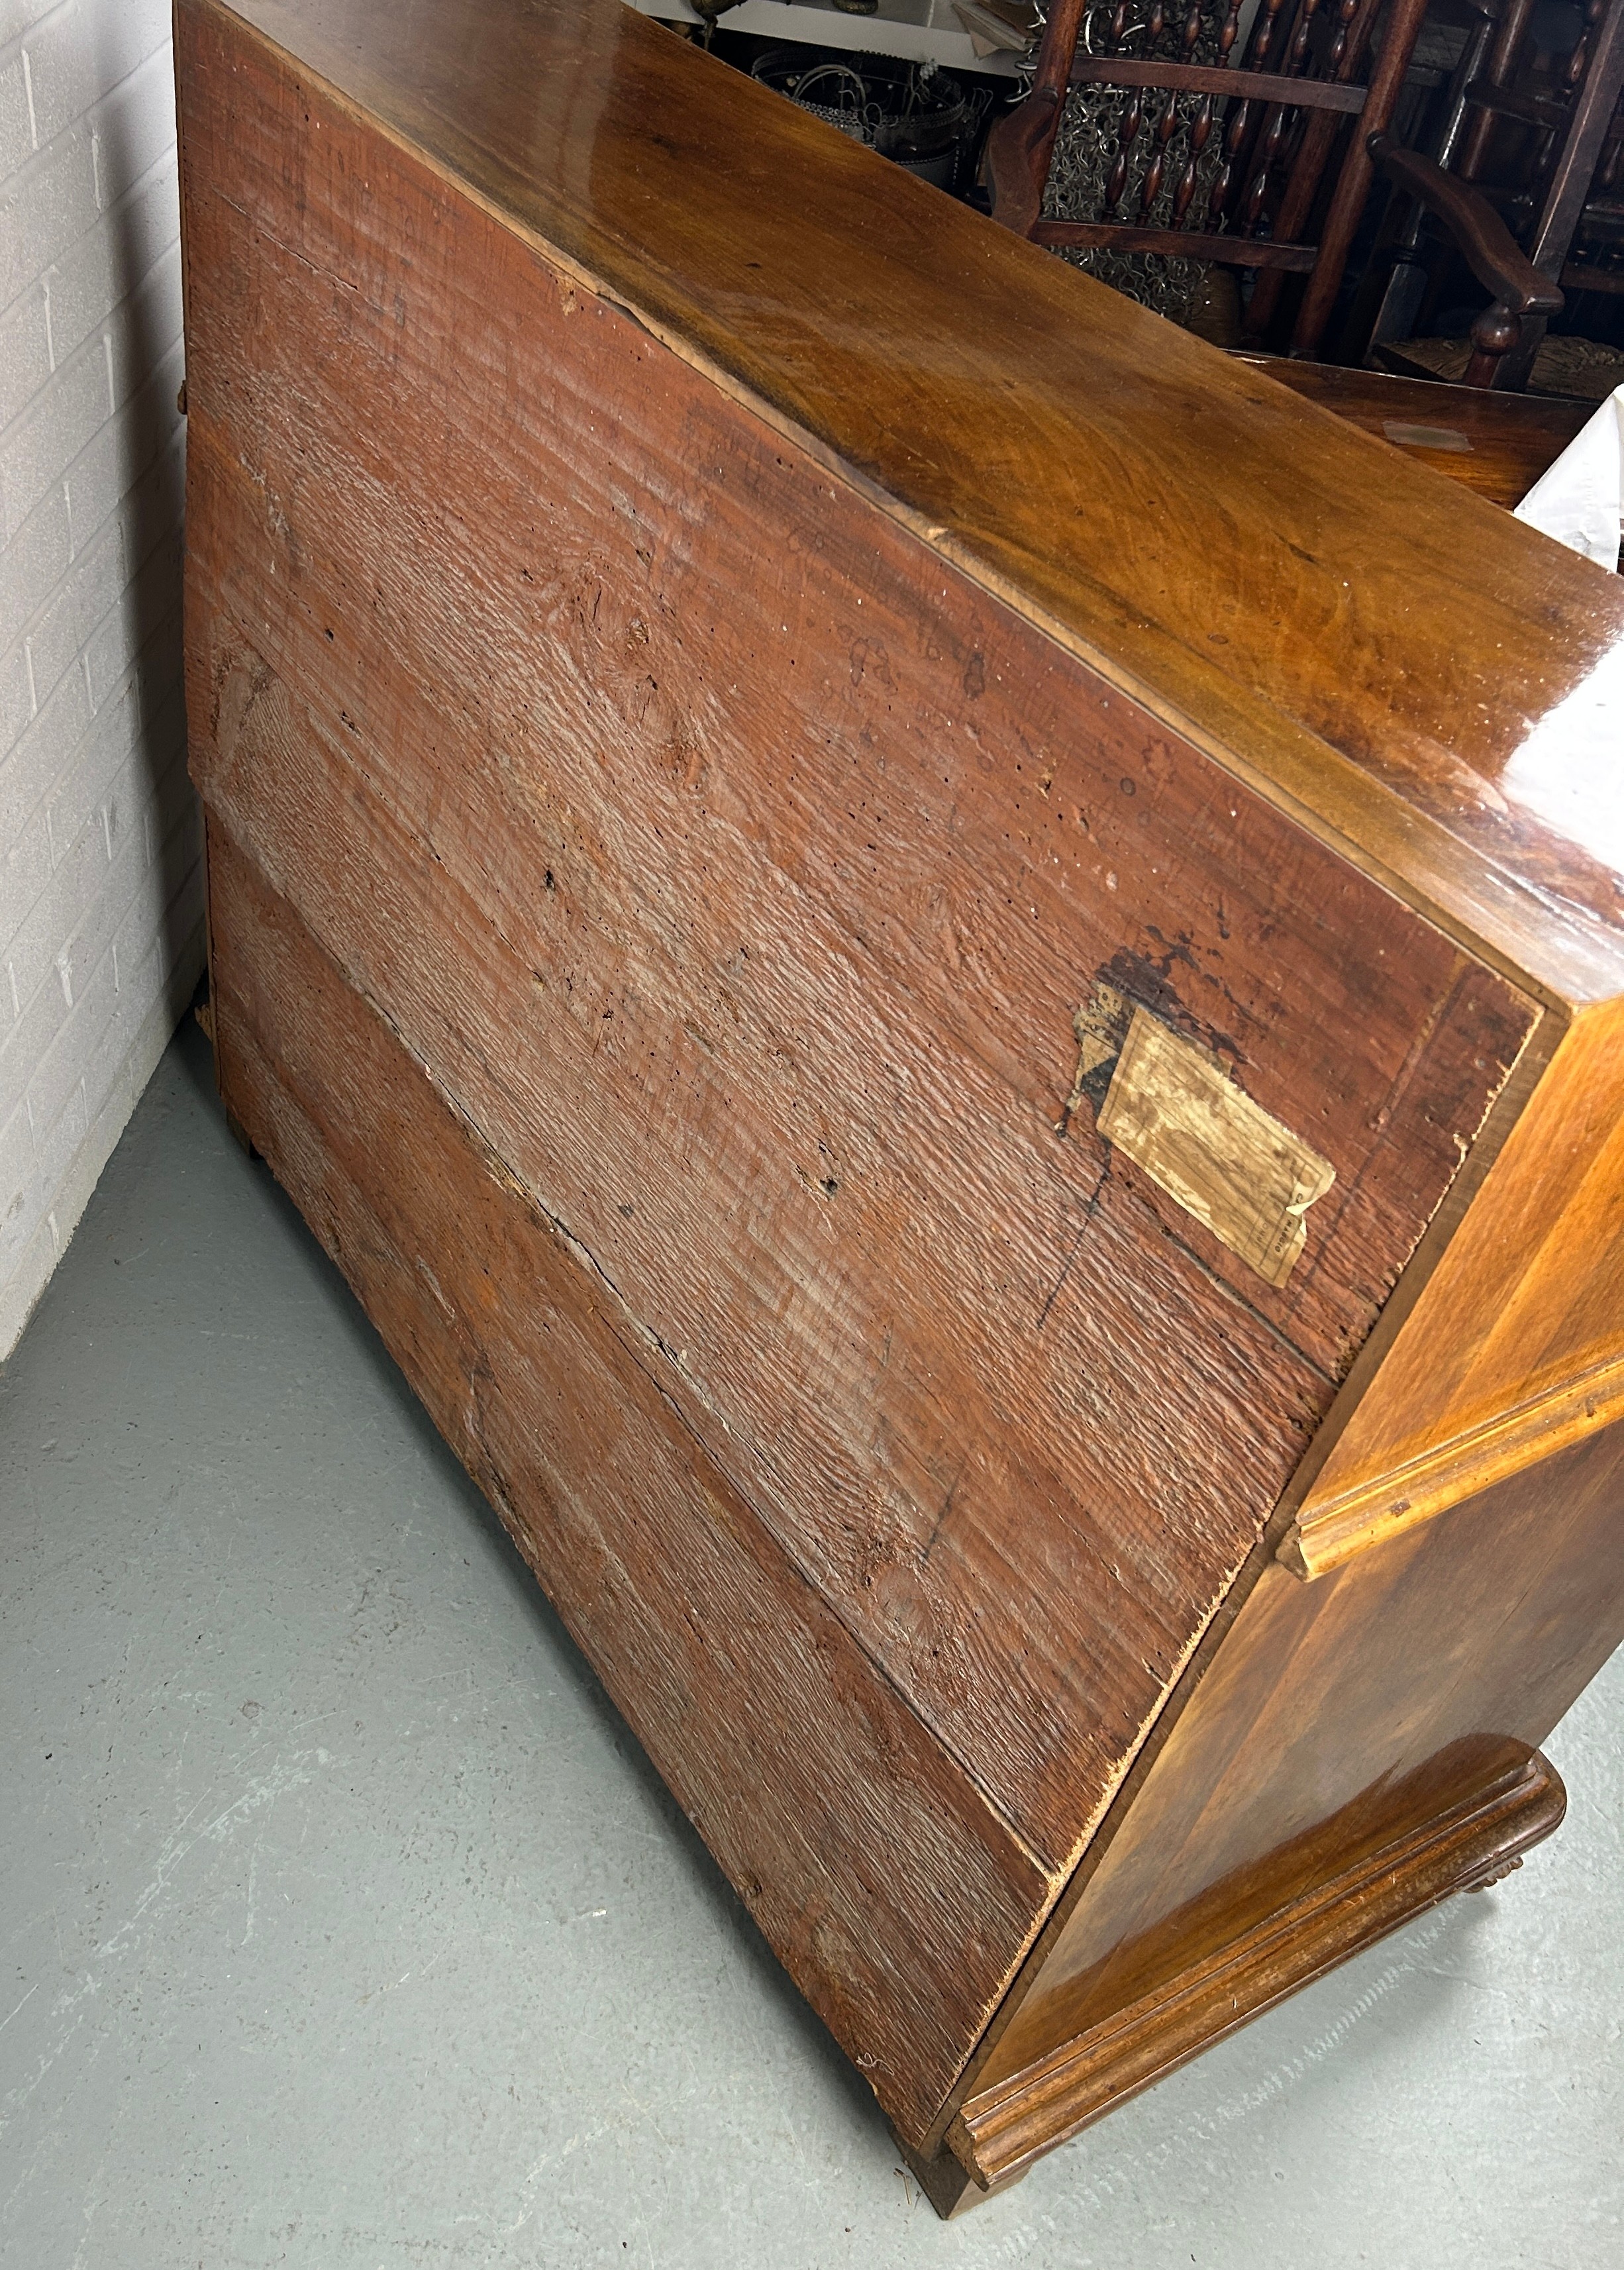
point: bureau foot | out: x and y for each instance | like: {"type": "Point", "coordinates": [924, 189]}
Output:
{"type": "Point", "coordinates": [240, 1133]}
{"type": "Point", "coordinates": [948, 2184]}
{"type": "Point", "coordinates": [1006, 2124]}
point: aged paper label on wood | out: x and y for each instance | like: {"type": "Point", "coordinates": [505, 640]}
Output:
{"type": "Point", "coordinates": [1171, 1107]}
{"type": "Point", "coordinates": [1426, 437]}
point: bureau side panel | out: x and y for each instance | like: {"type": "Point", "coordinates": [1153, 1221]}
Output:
{"type": "Point", "coordinates": [738, 871]}
{"type": "Point", "coordinates": [1335, 1718]}
{"type": "Point", "coordinates": [895, 1897]}
{"type": "Point", "coordinates": [1516, 1343]}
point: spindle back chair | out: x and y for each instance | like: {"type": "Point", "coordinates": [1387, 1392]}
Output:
{"type": "Point", "coordinates": [1236, 167]}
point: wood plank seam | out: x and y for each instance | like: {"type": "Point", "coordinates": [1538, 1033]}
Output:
{"type": "Point", "coordinates": [247, 1057]}
{"type": "Point", "coordinates": [201, 452]}
{"type": "Point", "coordinates": [1229, 1293]}
{"type": "Point", "coordinates": [689, 1221]}
{"type": "Point", "coordinates": [634, 1332]}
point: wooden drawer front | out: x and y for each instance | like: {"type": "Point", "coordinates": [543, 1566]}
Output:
{"type": "Point", "coordinates": [737, 872]}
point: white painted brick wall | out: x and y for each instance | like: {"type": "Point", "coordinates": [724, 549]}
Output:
{"type": "Point", "coordinates": [100, 879]}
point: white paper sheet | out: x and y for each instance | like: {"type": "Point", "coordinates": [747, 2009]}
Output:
{"type": "Point", "coordinates": [1579, 499]}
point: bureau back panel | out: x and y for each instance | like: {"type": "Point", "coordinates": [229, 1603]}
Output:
{"type": "Point", "coordinates": [738, 871]}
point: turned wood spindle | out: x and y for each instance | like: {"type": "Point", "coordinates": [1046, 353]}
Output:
{"type": "Point", "coordinates": [1132, 119]}
{"type": "Point", "coordinates": [1346, 15]}
{"type": "Point", "coordinates": [1218, 197]}
{"type": "Point", "coordinates": [1167, 126]}
{"type": "Point", "coordinates": [1579, 61]}
{"type": "Point", "coordinates": [1256, 59]}
{"type": "Point", "coordinates": [1200, 125]}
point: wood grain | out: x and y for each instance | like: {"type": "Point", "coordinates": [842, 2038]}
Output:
{"type": "Point", "coordinates": [1327, 1719]}
{"type": "Point", "coordinates": [831, 1394]}
{"type": "Point", "coordinates": [1335, 1526]}
{"type": "Point", "coordinates": [1523, 1314]}
{"type": "Point", "coordinates": [725, 690]}
{"type": "Point", "coordinates": [893, 1893]}
{"type": "Point", "coordinates": [1359, 1888]}
{"type": "Point", "coordinates": [791, 1013]}
{"type": "Point", "coordinates": [1512, 1347]}
{"type": "Point", "coordinates": [1101, 492]}
{"type": "Point", "coordinates": [1511, 439]}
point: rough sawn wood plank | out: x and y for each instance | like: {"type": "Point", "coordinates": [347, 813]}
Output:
{"type": "Point", "coordinates": [894, 1895]}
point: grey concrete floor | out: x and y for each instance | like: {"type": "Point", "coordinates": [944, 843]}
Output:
{"type": "Point", "coordinates": [344, 1925]}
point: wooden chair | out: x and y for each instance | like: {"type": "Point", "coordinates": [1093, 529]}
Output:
{"type": "Point", "coordinates": [1532, 153]}
{"type": "Point", "coordinates": [1257, 131]}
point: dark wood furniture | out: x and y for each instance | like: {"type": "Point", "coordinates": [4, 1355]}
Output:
{"type": "Point", "coordinates": [1219, 161]}
{"type": "Point", "coordinates": [1496, 445]}
{"type": "Point", "coordinates": [1568, 145]}
{"type": "Point", "coordinates": [939, 964]}
{"type": "Point", "coordinates": [1530, 161]}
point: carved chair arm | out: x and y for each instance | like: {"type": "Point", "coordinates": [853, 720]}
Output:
{"type": "Point", "coordinates": [1484, 242]}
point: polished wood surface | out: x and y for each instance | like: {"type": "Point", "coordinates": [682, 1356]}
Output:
{"type": "Point", "coordinates": [1100, 492]}
{"type": "Point", "coordinates": [1441, 1662]}
{"type": "Point", "coordinates": [960, 936]}
{"type": "Point", "coordinates": [1233, 1965]}
{"type": "Point", "coordinates": [1497, 445]}
{"type": "Point", "coordinates": [727, 778]}
{"type": "Point", "coordinates": [1515, 1347]}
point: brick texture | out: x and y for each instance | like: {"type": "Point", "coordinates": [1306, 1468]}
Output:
{"type": "Point", "coordinates": [100, 877]}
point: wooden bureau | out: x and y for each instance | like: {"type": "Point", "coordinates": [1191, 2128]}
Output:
{"type": "Point", "coordinates": [952, 975]}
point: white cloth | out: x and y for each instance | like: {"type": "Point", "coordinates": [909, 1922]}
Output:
{"type": "Point", "coordinates": [1580, 499]}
